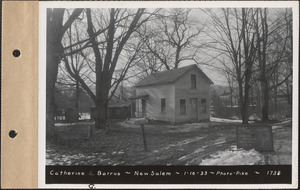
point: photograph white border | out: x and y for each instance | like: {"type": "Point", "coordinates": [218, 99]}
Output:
{"type": "Point", "coordinates": [43, 5]}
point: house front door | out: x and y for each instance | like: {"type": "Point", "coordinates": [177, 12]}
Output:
{"type": "Point", "coordinates": [193, 111]}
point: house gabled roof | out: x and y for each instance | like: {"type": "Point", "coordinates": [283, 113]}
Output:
{"type": "Point", "coordinates": [170, 76]}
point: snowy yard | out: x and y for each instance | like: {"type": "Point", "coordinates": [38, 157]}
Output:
{"type": "Point", "coordinates": [205, 143]}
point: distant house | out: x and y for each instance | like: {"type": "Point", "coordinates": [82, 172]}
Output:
{"type": "Point", "coordinates": [177, 95]}
{"type": "Point", "coordinates": [118, 109]}
{"type": "Point", "coordinates": [65, 106]}
{"type": "Point", "coordinates": [226, 98]}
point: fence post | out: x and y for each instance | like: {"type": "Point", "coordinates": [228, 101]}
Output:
{"type": "Point", "coordinates": [144, 137]}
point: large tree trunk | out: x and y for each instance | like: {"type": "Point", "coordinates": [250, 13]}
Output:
{"type": "Point", "coordinates": [102, 116]}
{"type": "Point", "coordinates": [77, 96]}
{"type": "Point", "coordinates": [258, 101]}
{"type": "Point", "coordinates": [77, 101]}
{"type": "Point", "coordinates": [102, 110]}
{"type": "Point", "coordinates": [241, 97]}
{"type": "Point", "coordinates": [249, 53]}
{"type": "Point", "coordinates": [52, 64]}
{"type": "Point", "coordinates": [102, 92]}
{"type": "Point", "coordinates": [55, 31]}
{"type": "Point", "coordinates": [265, 107]}
{"type": "Point", "coordinates": [289, 97]}
{"type": "Point", "coordinates": [246, 104]}
{"type": "Point", "coordinates": [275, 92]}
{"type": "Point", "coordinates": [264, 81]}
{"type": "Point", "coordinates": [54, 47]}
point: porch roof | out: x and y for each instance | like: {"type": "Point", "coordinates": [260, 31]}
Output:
{"type": "Point", "coordinates": [142, 96]}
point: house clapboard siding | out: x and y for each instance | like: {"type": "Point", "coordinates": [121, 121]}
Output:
{"type": "Point", "coordinates": [153, 106]}
{"type": "Point", "coordinates": [183, 91]}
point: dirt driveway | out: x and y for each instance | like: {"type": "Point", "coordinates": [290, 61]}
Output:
{"type": "Point", "coordinates": [187, 144]}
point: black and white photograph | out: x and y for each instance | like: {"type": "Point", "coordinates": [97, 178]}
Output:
{"type": "Point", "coordinates": [178, 94]}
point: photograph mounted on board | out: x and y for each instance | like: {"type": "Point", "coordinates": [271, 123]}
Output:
{"type": "Point", "coordinates": [169, 87]}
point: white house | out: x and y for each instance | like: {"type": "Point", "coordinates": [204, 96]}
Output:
{"type": "Point", "coordinates": [177, 95]}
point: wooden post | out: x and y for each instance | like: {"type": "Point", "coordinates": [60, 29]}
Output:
{"type": "Point", "coordinates": [137, 109]}
{"type": "Point", "coordinates": [107, 127]}
{"type": "Point", "coordinates": [142, 122]}
{"type": "Point", "coordinates": [144, 137]}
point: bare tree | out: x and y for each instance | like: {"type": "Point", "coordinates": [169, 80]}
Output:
{"type": "Point", "coordinates": [171, 39]}
{"type": "Point", "coordinates": [230, 81]}
{"type": "Point", "coordinates": [272, 42]}
{"type": "Point", "coordinates": [108, 49]}
{"type": "Point", "coordinates": [282, 54]}
{"type": "Point", "coordinates": [233, 38]}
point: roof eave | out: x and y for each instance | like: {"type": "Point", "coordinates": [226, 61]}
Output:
{"type": "Point", "coordinates": [160, 84]}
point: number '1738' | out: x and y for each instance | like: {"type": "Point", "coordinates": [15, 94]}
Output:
{"type": "Point", "coordinates": [274, 172]}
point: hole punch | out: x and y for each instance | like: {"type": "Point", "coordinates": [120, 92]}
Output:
{"type": "Point", "coordinates": [16, 53]}
{"type": "Point", "coordinates": [92, 186]}
{"type": "Point", "coordinates": [12, 134]}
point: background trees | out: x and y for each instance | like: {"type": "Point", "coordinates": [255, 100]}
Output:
{"type": "Point", "coordinates": [97, 50]}
{"type": "Point", "coordinates": [111, 43]}
{"type": "Point", "coordinates": [272, 39]}
{"type": "Point", "coordinates": [234, 38]}
{"type": "Point", "coordinates": [250, 45]}
{"type": "Point", "coordinates": [171, 39]}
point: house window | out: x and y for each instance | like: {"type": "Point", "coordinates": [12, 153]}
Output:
{"type": "Point", "coordinates": [193, 81]}
{"type": "Point", "coordinates": [182, 107]}
{"type": "Point", "coordinates": [203, 104]}
{"type": "Point", "coordinates": [163, 104]}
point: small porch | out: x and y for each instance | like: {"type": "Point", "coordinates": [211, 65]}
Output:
{"type": "Point", "coordinates": [139, 105]}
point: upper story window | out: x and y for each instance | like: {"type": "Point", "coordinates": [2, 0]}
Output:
{"type": "Point", "coordinates": [193, 81]}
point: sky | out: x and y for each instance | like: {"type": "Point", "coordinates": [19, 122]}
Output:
{"type": "Point", "coordinates": [203, 55]}
{"type": "Point", "coordinates": [202, 19]}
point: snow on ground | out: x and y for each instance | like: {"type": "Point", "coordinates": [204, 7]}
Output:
{"type": "Point", "coordinates": [285, 122]}
{"type": "Point", "coordinates": [198, 125]}
{"type": "Point", "coordinates": [184, 142]}
{"type": "Point", "coordinates": [281, 125]}
{"type": "Point", "coordinates": [197, 151]}
{"type": "Point", "coordinates": [234, 156]}
{"type": "Point", "coordinates": [65, 124]}
{"type": "Point", "coordinates": [72, 124]}
{"type": "Point", "coordinates": [188, 127]}
{"type": "Point", "coordinates": [53, 158]}
{"type": "Point", "coordinates": [276, 128]}
{"type": "Point", "coordinates": [193, 144]}
{"type": "Point", "coordinates": [222, 120]}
